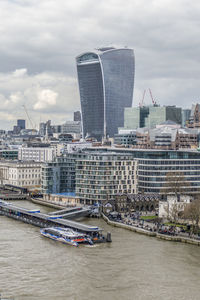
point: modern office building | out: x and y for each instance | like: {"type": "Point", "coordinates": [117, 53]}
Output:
{"type": "Point", "coordinates": [126, 139]}
{"type": "Point", "coordinates": [185, 116]}
{"type": "Point", "coordinates": [56, 128]}
{"type": "Point", "coordinates": [21, 124]}
{"type": "Point", "coordinates": [45, 128]}
{"type": "Point", "coordinates": [39, 154]}
{"type": "Point", "coordinates": [160, 114]}
{"type": "Point", "coordinates": [59, 176]}
{"type": "Point", "coordinates": [94, 177]}
{"type": "Point", "coordinates": [101, 176]}
{"type": "Point", "coordinates": [150, 116]}
{"type": "Point", "coordinates": [16, 130]}
{"type": "Point", "coordinates": [154, 165]}
{"type": "Point", "coordinates": [8, 154]}
{"type": "Point", "coordinates": [106, 81]}
{"type": "Point", "coordinates": [71, 127]}
{"type": "Point", "coordinates": [135, 117]}
{"type": "Point", "coordinates": [77, 116]}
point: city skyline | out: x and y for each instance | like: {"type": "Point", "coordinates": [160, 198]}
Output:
{"type": "Point", "coordinates": [37, 52]}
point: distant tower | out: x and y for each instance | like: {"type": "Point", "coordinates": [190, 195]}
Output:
{"type": "Point", "coordinates": [77, 116]}
{"type": "Point", "coordinates": [106, 82]}
{"type": "Point", "coordinates": [45, 128]}
{"type": "Point", "coordinates": [21, 124]}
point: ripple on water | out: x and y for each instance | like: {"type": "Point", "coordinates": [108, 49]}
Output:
{"type": "Point", "coordinates": [133, 266]}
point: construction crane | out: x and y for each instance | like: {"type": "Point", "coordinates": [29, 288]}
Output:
{"type": "Point", "coordinates": [141, 103]}
{"type": "Point", "coordinates": [32, 125]}
{"type": "Point", "coordinates": [152, 99]}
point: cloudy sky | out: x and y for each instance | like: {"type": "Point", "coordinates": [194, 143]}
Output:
{"type": "Point", "coordinates": [39, 40]}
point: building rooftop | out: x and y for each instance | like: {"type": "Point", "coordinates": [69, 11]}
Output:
{"type": "Point", "coordinates": [102, 49]}
{"type": "Point", "coordinates": [169, 122]}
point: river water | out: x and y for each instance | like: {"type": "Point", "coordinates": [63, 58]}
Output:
{"type": "Point", "coordinates": [133, 266]}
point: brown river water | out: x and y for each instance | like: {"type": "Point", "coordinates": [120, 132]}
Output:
{"type": "Point", "coordinates": [133, 266]}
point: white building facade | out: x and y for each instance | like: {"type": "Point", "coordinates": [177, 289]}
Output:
{"type": "Point", "coordinates": [173, 206]}
{"type": "Point", "coordinates": [38, 154]}
{"type": "Point", "coordinates": [24, 174]}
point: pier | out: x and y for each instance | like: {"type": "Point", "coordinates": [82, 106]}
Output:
{"type": "Point", "coordinates": [11, 192]}
{"type": "Point", "coordinates": [35, 217]}
{"type": "Point", "coordinates": [72, 213]}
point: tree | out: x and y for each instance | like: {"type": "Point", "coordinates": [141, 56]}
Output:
{"type": "Point", "coordinates": [192, 212]}
{"type": "Point", "coordinates": [175, 184]}
{"type": "Point", "coordinates": [172, 210]}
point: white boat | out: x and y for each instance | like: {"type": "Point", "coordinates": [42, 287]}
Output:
{"type": "Point", "coordinates": [66, 236]}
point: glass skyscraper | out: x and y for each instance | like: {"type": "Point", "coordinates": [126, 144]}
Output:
{"type": "Point", "coordinates": [106, 81]}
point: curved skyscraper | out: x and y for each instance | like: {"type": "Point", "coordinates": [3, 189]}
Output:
{"type": "Point", "coordinates": [106, 81]}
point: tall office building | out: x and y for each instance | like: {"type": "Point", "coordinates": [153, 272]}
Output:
{"type": "Point", "coordinates": [21, 124]}
{"type": "Point", "coordinates": [106, 81]}
{"type": "Point", "coordinates": [45, 128]}
{"type": "Point", "coordinates": [186, 113]}
{"type": "Point", "coordinates": [77, 116]}
{"type": "Point", "coordinates": [150, 116]}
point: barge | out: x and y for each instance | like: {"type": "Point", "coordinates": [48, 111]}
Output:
{"type": "Point", "coordinates": [35, 217]}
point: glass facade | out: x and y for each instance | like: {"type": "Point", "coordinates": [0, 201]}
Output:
{"type": "Point", "coordinates": [154, 165]}
{"type": "Point", "coordinates": [185, 116]}
{"type": "Point", "coordinates": [106, 82]}
{"type": "Point", "coordinates": [150, 116]}
{"type": "Point", "coordinates": [59, 176]}
{"type": "Point", "coordinates": [99, 174]}
{"type": "Point", "coordinates": [21, 124]}
{"type": "Point", "coordinates": [99, 177]}
{"type": "Point", "coordinates": [132, 117]}
{"type": "Point", "coordinates": [152, 174]}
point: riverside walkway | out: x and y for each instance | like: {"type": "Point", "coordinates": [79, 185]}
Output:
{"type": "Point", "coordinates": [152, 231]}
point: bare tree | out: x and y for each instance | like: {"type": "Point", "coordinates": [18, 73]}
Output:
{"type": "Point", "coordinates": [192, 212]}
{"type": "Point", "coordinates": [175, 184]}
{"type": "Point", "coordinates": [172, 210]}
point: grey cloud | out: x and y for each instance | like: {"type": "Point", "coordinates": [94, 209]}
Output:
{"type": "Point", "coordinates": [44, 94]}
{"type": "Point", "coordinates": [45, 36]}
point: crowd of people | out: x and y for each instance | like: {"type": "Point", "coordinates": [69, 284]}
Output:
{"type": "Point", "coordinates": [152, 224]}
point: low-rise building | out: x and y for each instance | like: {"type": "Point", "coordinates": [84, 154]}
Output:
{"type": "Point", "coordinates": [77, 146]}
{"type": "Point", "coordinates": [136, 202]}
{"type": "Point", "coordinates": [167, 135]}
{"type": "Point", "coordinates": [173, 207]}
{"type": "Point", "coordinates": [126, 139]}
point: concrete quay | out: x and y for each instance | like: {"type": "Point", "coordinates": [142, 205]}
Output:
{"type": "Point", "coordinates": [151, 233]}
